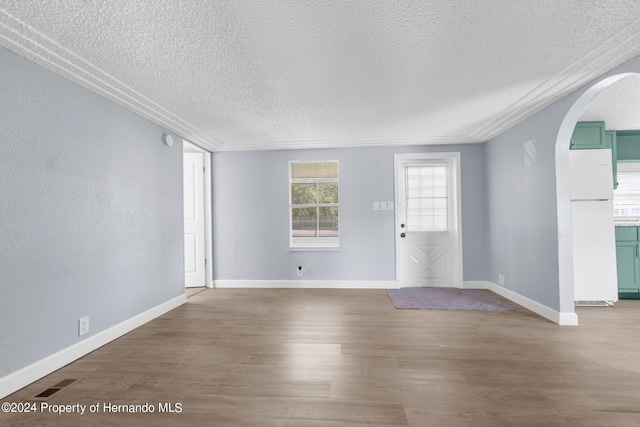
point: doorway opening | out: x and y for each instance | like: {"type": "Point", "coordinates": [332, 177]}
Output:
{"type": "Point", "coordinates": [563, 187]}
{"type": "Point", "coordinates": [198, 248]}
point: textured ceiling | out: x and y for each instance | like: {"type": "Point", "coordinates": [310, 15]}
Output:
{"type": "Point", "coordinates": [240, 75]}
{"type": "Point", "coordinates": [617, 105]}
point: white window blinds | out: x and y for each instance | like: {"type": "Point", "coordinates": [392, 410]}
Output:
{"type": "Point", "coordinates": [626, 198]}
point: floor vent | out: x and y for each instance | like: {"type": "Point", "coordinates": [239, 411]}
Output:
{"type": "Point", "coordinates": [48, 392]}
{"type": "Point", "coordinates": [594, 303]}
{"type": "Point", "coordinates": [56, 388]}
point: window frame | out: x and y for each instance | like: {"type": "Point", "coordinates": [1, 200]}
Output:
{"type": "Point", "coordinates": [314, 242]}
{"type": "Point", "coordinates": [624, 193]}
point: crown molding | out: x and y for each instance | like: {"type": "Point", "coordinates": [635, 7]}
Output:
{"type": "Point", "coordinates": [347, 143]}
{"type": "Point", "coordinates": [615, 51]}
{"type": "Point", "coordinates": [24, 40]}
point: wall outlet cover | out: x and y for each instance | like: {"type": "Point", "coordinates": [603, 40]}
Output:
{"type": "Point", "coordinates": [83, 325]}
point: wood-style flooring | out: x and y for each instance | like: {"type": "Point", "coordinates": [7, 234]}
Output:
{"type": "Point", "coordinates": [346, 358]}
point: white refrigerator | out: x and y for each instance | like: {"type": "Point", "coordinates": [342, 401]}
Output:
{"type": "Point", "coordinates": [594, 246]}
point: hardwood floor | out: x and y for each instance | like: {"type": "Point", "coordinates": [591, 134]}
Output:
{"type": "Point", "coordinates": [247, 357]}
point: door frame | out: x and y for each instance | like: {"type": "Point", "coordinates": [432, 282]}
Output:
{"type": "Point", "coordinates": [398, 172]}
{"type": "Point", "coordinates": [189, 147]}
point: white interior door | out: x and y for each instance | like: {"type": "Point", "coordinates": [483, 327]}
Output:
{"type": "Point", "coordinates": [428, 238]}
{"type": "Point", "coordinates": [194, 220]}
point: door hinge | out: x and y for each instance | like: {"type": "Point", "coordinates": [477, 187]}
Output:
{"type": "Point", "coordinates": [204, 169]}
{"type": "Point", "coordinates": [205, 261]}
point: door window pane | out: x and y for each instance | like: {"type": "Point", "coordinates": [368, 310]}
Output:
{"type": "Point", "coordinates": [427, 198]}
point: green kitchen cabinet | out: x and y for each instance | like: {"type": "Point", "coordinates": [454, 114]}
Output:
{"type": "Point", "coordinates": [628, 145]}
{"type": "Point", "coordinates": [588, 136]}
{"type": "Point", "coordinates": [628, 262]}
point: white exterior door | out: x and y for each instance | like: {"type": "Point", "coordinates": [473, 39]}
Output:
{"type": "Point", "coordinates": [194, 221]}
{"type": "Point", "coordinates": [428, 238]}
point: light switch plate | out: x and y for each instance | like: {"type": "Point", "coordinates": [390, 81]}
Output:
{"type": "Point", "coordinates": [376, 206]}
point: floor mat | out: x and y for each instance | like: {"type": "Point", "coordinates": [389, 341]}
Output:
{"type": "Point", "coordinates": [445, 299]}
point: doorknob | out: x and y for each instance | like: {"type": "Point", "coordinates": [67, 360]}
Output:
{"type": "Point", "coordinates": [402, 235]}
{"type": "Point", "coordinates": [402, 225]}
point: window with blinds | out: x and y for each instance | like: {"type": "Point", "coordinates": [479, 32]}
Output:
{"type": "Point", "coordinates": [314, 208]}
{"type": "Point", "coordinates": [427, 198]}
{"type": "Point", "coordinates": [626, 198]}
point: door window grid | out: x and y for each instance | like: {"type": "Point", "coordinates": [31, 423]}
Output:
{"type": "Point", "coordinates": [427, 198]}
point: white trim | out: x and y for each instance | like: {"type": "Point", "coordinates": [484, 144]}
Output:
{"type": "Point", "coordinates": [478, 284]}
{"type": "Point", "coordinates": [561, 318]}
{"type": "Point", "coordinates": [25, 376]}
{"type": "Point", "coordinates": [307, 284]}
{"type": "Point", "coordinates": [349, 143]}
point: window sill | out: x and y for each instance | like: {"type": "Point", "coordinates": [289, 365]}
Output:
{"type": "Point", "coordinates": [314, 249]}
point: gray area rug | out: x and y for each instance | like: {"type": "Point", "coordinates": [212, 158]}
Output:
{"type": "Point", "coordinates": [445, 299]}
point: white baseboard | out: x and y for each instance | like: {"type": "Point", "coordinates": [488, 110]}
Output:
{"type": "Point", "coordinates": [25, 376]}
{"type": "Point", "coordinates": [307, 284]}
{"type": "Point", "coordinates": [478, 284]}
{"type": "Point", "coordinates": [561, 318]}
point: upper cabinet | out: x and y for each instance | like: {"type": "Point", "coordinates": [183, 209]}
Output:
{"type": "Point", "coordinates": [588, 136]}
{"type": "Point", "coordinates": [628, 144]}
{"type": "Point", "coordinates": [592, 135]}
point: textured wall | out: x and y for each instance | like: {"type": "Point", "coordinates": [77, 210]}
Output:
{"type": "Point", "coordinates": [522, 232]}
{"type": "Point", "coordinates": [251, 219]}
{"type": "Point", "coordinates": [91, 213]}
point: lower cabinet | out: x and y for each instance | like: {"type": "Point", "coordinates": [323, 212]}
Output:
{"type": "Point", "coordinates": [628, 262]}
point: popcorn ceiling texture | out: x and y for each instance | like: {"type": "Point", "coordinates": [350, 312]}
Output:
{"type": "Point", "coordinates": [282, 74]}
{"type": "Point", "coordinates": [618, 105]}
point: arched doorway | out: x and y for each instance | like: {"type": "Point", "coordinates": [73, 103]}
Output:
{"type": "Point", "coordinates": [563, 190]}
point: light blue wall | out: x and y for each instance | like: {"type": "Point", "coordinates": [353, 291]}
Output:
{"type": "Point", "coordinates": [91, 214]}
{"type": "Point", "coordinates": [521, 203]}
{"type": "Point", "coordinates": [251, 222]}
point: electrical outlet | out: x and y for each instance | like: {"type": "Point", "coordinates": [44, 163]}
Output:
{"type": "Point", "coordinates": [300, 271]}
{"type": "Point", "coordinates": [501, 279]}
{"type": "Point", "coordinates": [83, 325]}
